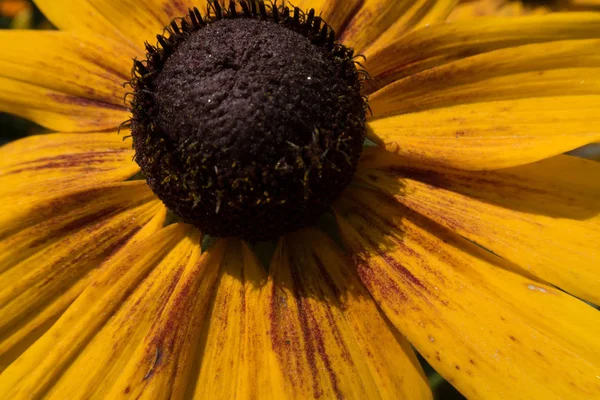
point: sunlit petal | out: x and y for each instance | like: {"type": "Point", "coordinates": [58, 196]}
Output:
{"type": "Point", "coordinates": [489, 331]}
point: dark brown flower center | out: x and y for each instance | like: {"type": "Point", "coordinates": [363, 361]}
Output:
{"type": "Point", "coordinates": [250, 122]}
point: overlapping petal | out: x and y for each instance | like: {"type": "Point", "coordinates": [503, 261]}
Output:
{"type": "Point", "coordinates": [160, 320]}
{"type": "Point", "coordinates": [491, 332]}
{"type": "Point", "coordinates": [129, 21]}
{"type": "Point", "coordinates": [464, 113]}
{"type": "Point", "coordinates": [495, 134]}
{"type": "Point", "coordinates": [235, 357]}
{"type": "Point", "coordinates": [382, 20]}
{"type": "Point", "coordinates": [38, 169]}
{"type": "Point", "coordinates": [309, 330]}
{"type": "Point", "coordinates": [336, 13]}
{"type": "Point", "coordinates": [543, 217]}
{"type": "Point", "coordinates": [529, 71]}
{"type": "Point", "coordinates": [161, 365]}
{"type": "Point", "coordinates": [329, 338]}
{"type": "Point", "coordinates": [421, 13]}
{"type": "Point", "coordinates": [63, 80]}
{"type": "Point", "coordinates": [47, 263]}
{"type": "Point", "coordinates": [467, 10]}
{"type": "Point", "coordinates": [444, 43]}
{"type": "Point", "coordinates": [105, 327]}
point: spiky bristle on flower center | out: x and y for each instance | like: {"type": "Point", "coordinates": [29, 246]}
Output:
{"type": "Point", "coordinates": [248, 121]}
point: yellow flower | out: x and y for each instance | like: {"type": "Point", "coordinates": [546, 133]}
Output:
{"type": "Point", "coordinates": [465, 233]}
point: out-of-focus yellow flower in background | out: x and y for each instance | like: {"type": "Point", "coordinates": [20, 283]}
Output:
{"type": "Point", "coordinates": [20, 13]}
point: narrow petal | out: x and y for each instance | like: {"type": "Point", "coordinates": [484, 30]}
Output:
{"type": "Point", "coordinates": [420, 13]}
{"type": "Point", "coordinates": [101, 365]}
{"type": "Point", "coordinates": [537, 70]}
{"type": "Point", "coordinates": [542, 217]}
{"type": "Point", "coordinates": [159, 316]}
{"type": "Point", "coordinates": [49, 159]}
{"type": "Point", "coordinates": [235, 354]}
{"type": "Point", "coordinates": [508, 8]}
{"type": "Point", "coordinates": [481, 88]}
{"type": "Point", "coordinates": [106, 325]}
{"type": "Point", "coordinates": [336, 13]}
{"type": "Point", "coordinates": [441, 44]}
{"type": "Point", "coordinates": [496, 134]}
{"type": "Point", "coordinates": [35, 170]}
{"type": "Point", "coordinates": [38, 289]}
{"type": "Point", "coordinates": [84, 65]}
{"type": "Point", "coordinates": [160, 366]}
{"type": "Point", "coordinates": [63, 80]}
{"type": "Point", "coordinates": [62, 211]}
{"type": "Point", "coordinates": [56, 110]}
{"type": "Point", "coordinates": [375, 17]}
{"type": "Point", "coordinates": [491, 332]}
{"type": "Point", "coordinates": [326, 333]}
{"type": "Point", "coordinates": [67, 214]}
{"type": "Point", "coordinates": [130, 21]}
{"type": "Point", "coordinates": [505, 8]}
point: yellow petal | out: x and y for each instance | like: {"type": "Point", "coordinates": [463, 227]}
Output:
{"type": "Point", "coordinates": [491, 332]}
{"type": "Point", "coordinates": [48, 147]}
{"type": "Point", "coordinates": [542, 216]}
{"type": "Point", "coordinates": [504, 8]}
{"type": "Point", "coordinates": [129, 21]}
{"type": "Point", "coordinates": [336, 13]}
{"type": "Point", "coordinates": [470, 9]}
{"type": "Point", "coordinates": [420, 13]}
{"type": "Point", "coordinates": [236, 354]}
{"type": "Point", "coordinates": [441, 44]}
{"type": "Point", "coordinates": [56, 110]}
{"type": "Point", "coordinates": [84, 65]}
{"type": "Point", "coordinates": [536, 70]}
{"type": "Point", "coordinates": [67, 214]}
{"type": "Point", "coordinates": [584, 4]}
{"type": "Point", "coordinates": [375, 17]}
{"type": "Point", "coordinates": [106, 323]}
{"type": "Point", "coordinates": [38, 287]}
{"type": "Point", "coordinates": [101, 363]}
{"type": "Point", "coordinates": [161, 365]}
{"type": "Point", "coordinates": [53, 158]}
{"type": "Point", "coordinates": [329, 339]}
{"type": "Point", "coordinates": [495, 134]}
{"type": "Point", "coordinates": [36, 169]}
{"type": "Point", "coordinates": [64, 81]}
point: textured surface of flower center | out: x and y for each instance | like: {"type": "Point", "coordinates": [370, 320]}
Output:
{"type": "Point", "coordinates": [248, 128]}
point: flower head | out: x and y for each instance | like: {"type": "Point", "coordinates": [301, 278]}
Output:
{"type": "Point", "coordinates": [461, 230]}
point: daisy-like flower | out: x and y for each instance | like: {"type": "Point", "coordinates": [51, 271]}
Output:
{"type": "Point", "coordinates": [462, 233]}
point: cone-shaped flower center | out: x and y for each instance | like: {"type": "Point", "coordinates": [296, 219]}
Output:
{"type": "Point", "coordinates": [248, 126]}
